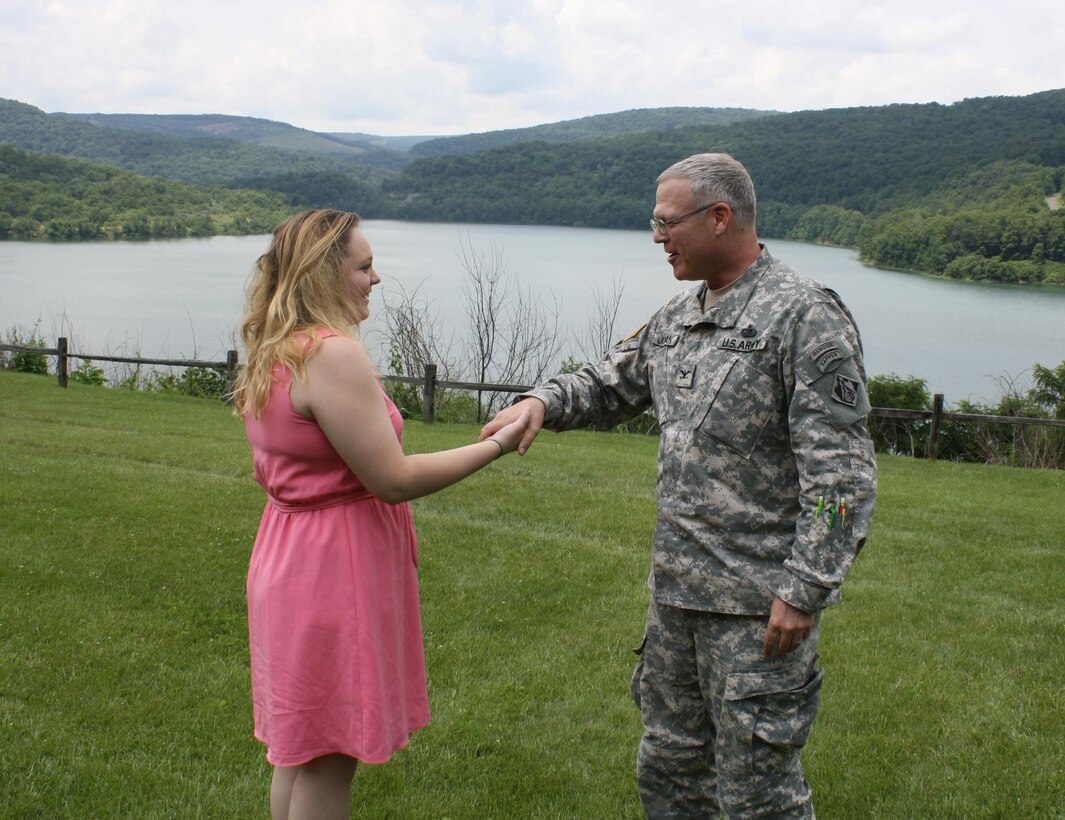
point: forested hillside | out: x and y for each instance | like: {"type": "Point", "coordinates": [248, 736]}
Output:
{"type": "Point", "coordinates": [49, 197]}
{"type": "Point", "coordinates": [960, 190]}
{"type": "Point", "coordinates": [204, 160]}
{"type": "Point", "coordinates": [251, 130]}
{"type": "Point", "coordinates": [895, 181]}
{"type": "Point", "coordinates": [636, 121]}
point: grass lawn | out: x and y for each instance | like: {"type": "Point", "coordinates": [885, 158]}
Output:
{"type": "Point", "coordinates": [126, 521]}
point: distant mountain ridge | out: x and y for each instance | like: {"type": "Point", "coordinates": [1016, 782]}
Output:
{"type": "Point", "coordinates": [958, 189]}
{"type": "Point", "coordinates": [252, 130]}
{"type": "Point", "coordinates": [596, 126]}
{"type": "Point", "coordinates": [368, 147]}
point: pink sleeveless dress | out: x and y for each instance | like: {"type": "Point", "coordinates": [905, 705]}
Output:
{"type": "Point", "coordinates": [334, 624]}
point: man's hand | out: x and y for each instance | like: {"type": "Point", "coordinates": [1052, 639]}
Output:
{"type": "Point", "coordinates": [788, 628]}
{"type": "Point", "coordinates": [536, 410]}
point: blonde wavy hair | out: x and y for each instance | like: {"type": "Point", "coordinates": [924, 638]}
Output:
{"type": "Point", "coordinates": [297, 287]}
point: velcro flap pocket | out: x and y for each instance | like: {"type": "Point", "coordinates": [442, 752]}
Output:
{"type": "Point", "coordinates": [743, 685]}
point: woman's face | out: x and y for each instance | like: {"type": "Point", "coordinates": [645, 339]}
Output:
{"type": "Point", "coordinates": [359, 273]}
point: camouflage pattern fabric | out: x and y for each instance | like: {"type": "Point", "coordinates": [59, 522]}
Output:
{"type": "Point", "coordinates": [723, 725]}
{"type": "Point", "coordinates": [766, 486]}
{"type": "Point", "coordinates": [762, 402]}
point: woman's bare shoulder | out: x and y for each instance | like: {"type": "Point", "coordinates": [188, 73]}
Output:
{"type": "Point", "coordinates": [342, 356]}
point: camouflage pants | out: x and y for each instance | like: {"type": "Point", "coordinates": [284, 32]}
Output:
{"type": "Point", "coordinates": [723, 725]}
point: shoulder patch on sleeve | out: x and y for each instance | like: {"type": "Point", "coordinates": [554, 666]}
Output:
{"type": "Point", "coordinates": [846, 391]}
{"type": "Point", "coordinates": [827, 355]}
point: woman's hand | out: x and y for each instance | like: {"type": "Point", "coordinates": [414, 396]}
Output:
{"type": "Point", "coordinates": [532, 407]}
{"type": "Point", "coordinates": [510, 435]}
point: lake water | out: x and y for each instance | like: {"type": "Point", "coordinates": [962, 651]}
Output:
{"type": "Point", "coordinates": [183, 298]}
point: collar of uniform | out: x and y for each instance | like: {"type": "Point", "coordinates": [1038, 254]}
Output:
{"type": "Point", "coordinates": [727, 312]}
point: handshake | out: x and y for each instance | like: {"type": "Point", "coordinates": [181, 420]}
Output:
{"type": "Point", "coordinates": [515, 427]}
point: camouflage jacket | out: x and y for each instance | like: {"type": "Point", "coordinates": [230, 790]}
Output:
{"type": "Point", "coordinates": [766, 472]}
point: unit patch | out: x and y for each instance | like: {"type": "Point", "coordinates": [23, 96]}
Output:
{"type": "Point", "coordinates": [823, 348]}
{"type": "Point", "coordinates": [828, 355]}
{"type": "Point", "coordinates": [741, 345]}
{"type": "Point", "coordinates": [845, 391]}
{"type": "Point", "coordinates": [829, 360]}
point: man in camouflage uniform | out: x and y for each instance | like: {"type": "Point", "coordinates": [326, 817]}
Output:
{"type": "Point", "coordinates": [766, 485]}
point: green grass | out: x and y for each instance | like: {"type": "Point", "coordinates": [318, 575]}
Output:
{"type": "Point", "coordinates": [126, 521]}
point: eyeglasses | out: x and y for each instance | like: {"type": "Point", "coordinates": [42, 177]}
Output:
{"type": "Point", "coordinates": [663, 224]}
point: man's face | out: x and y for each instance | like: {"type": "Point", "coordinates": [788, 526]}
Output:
{"type": "Point", "coordinates": [691, 242]}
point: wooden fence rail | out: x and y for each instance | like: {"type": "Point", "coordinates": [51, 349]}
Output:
{"type": "Point", "coordinates": [429, 384]}
{"type": "Point", "coordinates": [64, 355]}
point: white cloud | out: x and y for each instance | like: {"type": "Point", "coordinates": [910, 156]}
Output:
{"type": "Point", "coordinates": [454, 66]}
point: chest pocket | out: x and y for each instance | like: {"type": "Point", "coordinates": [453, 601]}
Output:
{"type": "Point", "coordinates": [666, 398]}
{"type": "Point", "coordinates": [741, 406]}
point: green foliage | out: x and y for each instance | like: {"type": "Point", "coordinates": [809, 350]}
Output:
{"type": "Point", "coordinates": [637, 121]}
{"type": "Point", "coordinates": [902, 393]}
{"type": "Point", "coordinates": [267, 133]}
{"type": "Point", "coordinates": [1014, 445]}
{"type": "Point", "coordinates": [199, 382]}
{"type": "Point", "coordinates": [869, 160]}
{"type": "Point", "coordinates": [21, 360]}
{"type": "Point", "coordinates": [406, 397]}
{"type": "Point", "coordinates": [571, 365]}
{"type": "Point", "coordinates": [1007, 444]}
{"type": "Point", "coordinates": [53, 198]}
{"type": "Point", "coordinates": [1049, 388]}
{"type": "Point", "coordinates": [456, 407]}
{"type": "Point", "coordinates": [452, 406]}
{"type": "Point", "coordinates": [133, 380]}
{"type": "Point", "coordinates": [899, 436]}
{"type": "Point", "coordinates": [205, 160]}
{"type": "Point", "coordinates": [978, 441]}
{"type": "Point", "coordinates": [958, 190]}
{"type": "Point", "coordinates": [129, 518]}
{"type": "Point", "coordinates": [88, 373]}
{"type": "Point", "coordinates": [990, 224]}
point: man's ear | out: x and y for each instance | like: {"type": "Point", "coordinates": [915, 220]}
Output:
{"type": "Point", "coordinates": [722, 215]}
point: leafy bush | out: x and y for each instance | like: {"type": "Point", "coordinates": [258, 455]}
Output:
{"type": "Point", "coordinates": [899, 436]}
{"type": "Point", "coordinates": [1013, 444]}
{"type": "Point", "coordinates": [25, 361]}
{"type": "Point", "coordinates": [455, 407]}
{"type": "Point", "coordinates": [1050, 388]}
{"type": "Point", "coordinates": [200, 382]}
{"type": "Point", "coordinates": [405, 396]}
{"type": "Point", "coordinates": [88, 373]}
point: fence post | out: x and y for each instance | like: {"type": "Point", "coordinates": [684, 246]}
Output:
{"type": "Point", "coordinates": [231, 375]}
{"type": "Point", "coordinates": [932, 450]}
{"type": "Point", "coordinates": [429, 393]}
{"type": "Point", "coordinates": [61, 361]}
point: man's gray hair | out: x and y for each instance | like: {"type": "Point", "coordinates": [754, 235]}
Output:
{"type": "Point", "coordinates": [718, 178]}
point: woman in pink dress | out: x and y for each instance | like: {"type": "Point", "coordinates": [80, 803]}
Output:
{"type": "Point", "coordinates": [338, 674]}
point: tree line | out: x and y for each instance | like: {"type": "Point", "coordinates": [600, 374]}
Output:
{"type": "Point", "coordinates": [957, 190]}
{"type": "Point", "coordinates": [48, 197]}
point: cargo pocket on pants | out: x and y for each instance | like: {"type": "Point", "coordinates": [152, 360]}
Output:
{"type": "Point", "coordinates": [767, 716]}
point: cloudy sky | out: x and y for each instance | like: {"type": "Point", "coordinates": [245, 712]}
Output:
{"type": "Point", "coordinates": [417, 67]}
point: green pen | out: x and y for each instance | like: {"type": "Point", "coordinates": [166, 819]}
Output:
{"type": "Point", "coordinates": [831, 517]}
{"type": "Point", "coordinates": [820, 506]}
